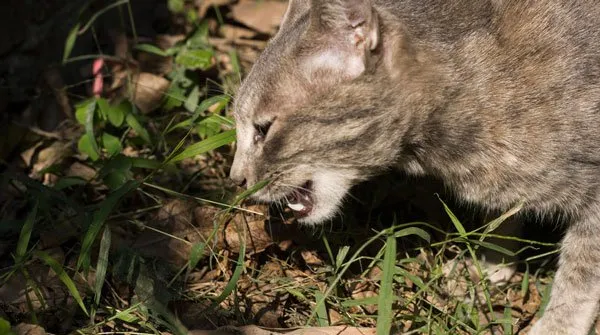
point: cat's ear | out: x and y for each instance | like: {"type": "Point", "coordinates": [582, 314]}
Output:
{"type": "Point", "coordinates": [347, 32]}
{"type": "Point", "coordinates": [354, 19]}
{"type": "Point", "coordinates": [295, 9]}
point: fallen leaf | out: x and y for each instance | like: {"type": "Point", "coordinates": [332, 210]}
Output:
{"type": "Point", "coordinates": [149, 91]}
{"type": "Point", "coordinates": [27, 329]}
{"type": "Point", "coordinates": [81, 170]}
{"type": "Point", "coordinates": [204, 5]}
{"type": "Point", "coordinates": [263, 16]}
{"type": "Point", "coordinates": [231, 32]}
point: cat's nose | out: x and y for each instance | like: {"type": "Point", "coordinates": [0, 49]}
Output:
{"type": "Point", "coordinates": [240, 183]}
{"type": "Point", "coordinates": [237, 175]}
{"type": "Point", "coordinates": [237, 178]}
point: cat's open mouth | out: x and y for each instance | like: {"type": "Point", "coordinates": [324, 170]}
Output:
{"type": "Point", "coordinates": [301, 200]}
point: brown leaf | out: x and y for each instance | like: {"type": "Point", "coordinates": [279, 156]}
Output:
{"type": "Point", "coordinates": [311, 258]}
{"type": "Point", "coordinates": [149, 91]}
{"type": "Point", "coordinates": [27, 329]}
{"type": "Point", "coordinates": [81, 170]}
{"type": "Point", "coordinates": [233, 33]}
{"type": "Point", "coordinates": [263, 16]}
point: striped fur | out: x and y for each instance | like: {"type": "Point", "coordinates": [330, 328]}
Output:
{"type": "Point", "coordinates": [499, 98]}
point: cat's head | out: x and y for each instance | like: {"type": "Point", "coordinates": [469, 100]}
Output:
{"type": "Point", "coordinates": [309, 115]}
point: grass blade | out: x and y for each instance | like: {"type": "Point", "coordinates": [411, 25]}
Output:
{"type": "Point", "coordinates": [135, 124]}
{"type": "Point", "coordinates": [64, 278]}
{"type": "Point", "coordinates": [70, 42]}
{"type": "Point", "coordinates": [196, 254]}
{"type": "Point", "coordinates": [413, 231]}
{"type": "Point", "coordinates": [208, 144]}
{"type": "Point", "coordinates": [231, 285]}
{"type": "Point", "coordinates": [102, 264]}
{"type": "Point", "coordinates": [90, 111]}
{"type": "Point", "coordinates": [507, 321]}
{"type": "Point", "coordinates": [321, 310]}
{"type": "Point", "coordinates": [455, 221]}
{"type": "Point", "coordinates": [152, 49]}
{"type": "Point", "coordinates": [25, 234]}
{"type": "Point", "coordinates": [386, 294]}
{"type": "Point", "coordinates": [98, 220]}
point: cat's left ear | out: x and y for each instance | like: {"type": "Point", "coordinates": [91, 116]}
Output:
{"type": "Point", "coordinates": [348, 31]}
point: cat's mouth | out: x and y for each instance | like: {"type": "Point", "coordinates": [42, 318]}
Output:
{"type": "Point", "coordinates": [301, 200]}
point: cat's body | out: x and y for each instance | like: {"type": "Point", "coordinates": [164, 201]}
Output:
{"type": "Point", "coordinates": [498, 98]}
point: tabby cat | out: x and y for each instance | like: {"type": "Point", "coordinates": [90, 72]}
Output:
{"type": "Point", "coordinates": [498, 98]}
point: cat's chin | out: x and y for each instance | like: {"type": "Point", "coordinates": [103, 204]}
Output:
{"type": "Point", "coordinates": [327, 191]}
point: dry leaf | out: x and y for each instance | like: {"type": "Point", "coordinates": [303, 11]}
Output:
{"type": "Point", "coordinates": [263, 16]}
{"type": "Point", "coordinates": [149, 91]}
{"type": "Point", "coordinates": [233, 33]}
{"type": "Point", "coordinates": [81, 170]}
{"type": "Point", "coordinates": [27, 329]}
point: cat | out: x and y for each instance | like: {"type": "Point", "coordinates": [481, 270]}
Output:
{"type": "Point", "coordinates": [500, 99]}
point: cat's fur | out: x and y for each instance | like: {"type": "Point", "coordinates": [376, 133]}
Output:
{"type": "Point", "coordinates": [498, 98]}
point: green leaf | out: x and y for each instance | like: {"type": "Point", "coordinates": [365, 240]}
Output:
{"type": "Point", "coordinates": [81, 110]}
{"type": "Point", "coordinates": [198, 59]}
{"type": "Point", "coordinates": [116, 172]}
{"type": "Point", "coordinates": [145, 163]}
{"type": "Point", "coordinates": [525, 282]}
{"type": "Point", "coordinates": [116, 179]}
{"type": "Point", "coordinates": [341, 256]}
{"type": "Point", "coordinates": [176, 6]}
{"type": "Point", "coordinates": [386, 294]}
{"type": "Point", "coordinates": [85, 146]}
{"type": "Point", "coordinates": [192, 100]}
{"type": "Point", "coordinates": [5, 328]}
{"type": "Point", "coordinates": [103, 106]}
{"type": "Point", "coordinates": [66, 182]}
{"type": "Point", "coordinates": [102, 264]}
{"type": "Point", "coordinates": [152, 49]}
{"type": "Point", "coordinates": [196, 254]}
{"type": "Point", "coordinates": [222, 100]}
{"type": "Point", "coordinates": [84, 114]}
{"type": "Point", "coordinates": [206, 145]}
{"type": "Point", "coordinates": [494, 224]}
{"type": "Point", "coordinates": [98, 219]}
{"type": "Point", "coordinates": [495, 247]}
{"type": "Point", "coordinates": [321, 312]}
{"type": "Point", "coordinates": [126, 316]}
{"type": "Point", "coordinates": [361, 302]}
{"type": "Point", "coordinates": [199, 39]}
{"type": "Point", "coordinates": [70, 42]}
{"type": "Point", "coordinates": [209, 126]}
{"type": "Point", "coordinates": [25, 234]}
{"type": "Point", "coordinates": [235, 62]}
{"type": "Point", "coordinates": [413, 231]}
{"type": "Point", "coordinates": [507, 321]}
{"type": "Point", "coordinates": [135, 124]}
{"type": "Point", "coordinates": [459, 227]}
{"type": "Point", "coordinates": [112, 144]}
{"type": "Point", "coordinates": [237, 272]}
{"type": "Point", "coordinates": [116, 113]}
{"type": "Point", "coordinates": [250, 191]}
{"type": "Point", "coordinates": [62, 275]}
{"type": "Point", "coordinates": [175, 96]}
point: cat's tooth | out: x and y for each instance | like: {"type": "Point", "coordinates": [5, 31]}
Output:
{"type": "Point", "coordinates": [297, 207]}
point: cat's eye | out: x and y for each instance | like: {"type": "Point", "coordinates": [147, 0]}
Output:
{"type": "Point", "coordinates": [261, 131]}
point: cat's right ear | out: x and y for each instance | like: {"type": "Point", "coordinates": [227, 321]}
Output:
{"type": "Point", "coordinates": [354, 20]}
{"type": "Point", "coordinates": [343, 34]}
{"type": "Point", "coordinates": [296, 8]}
